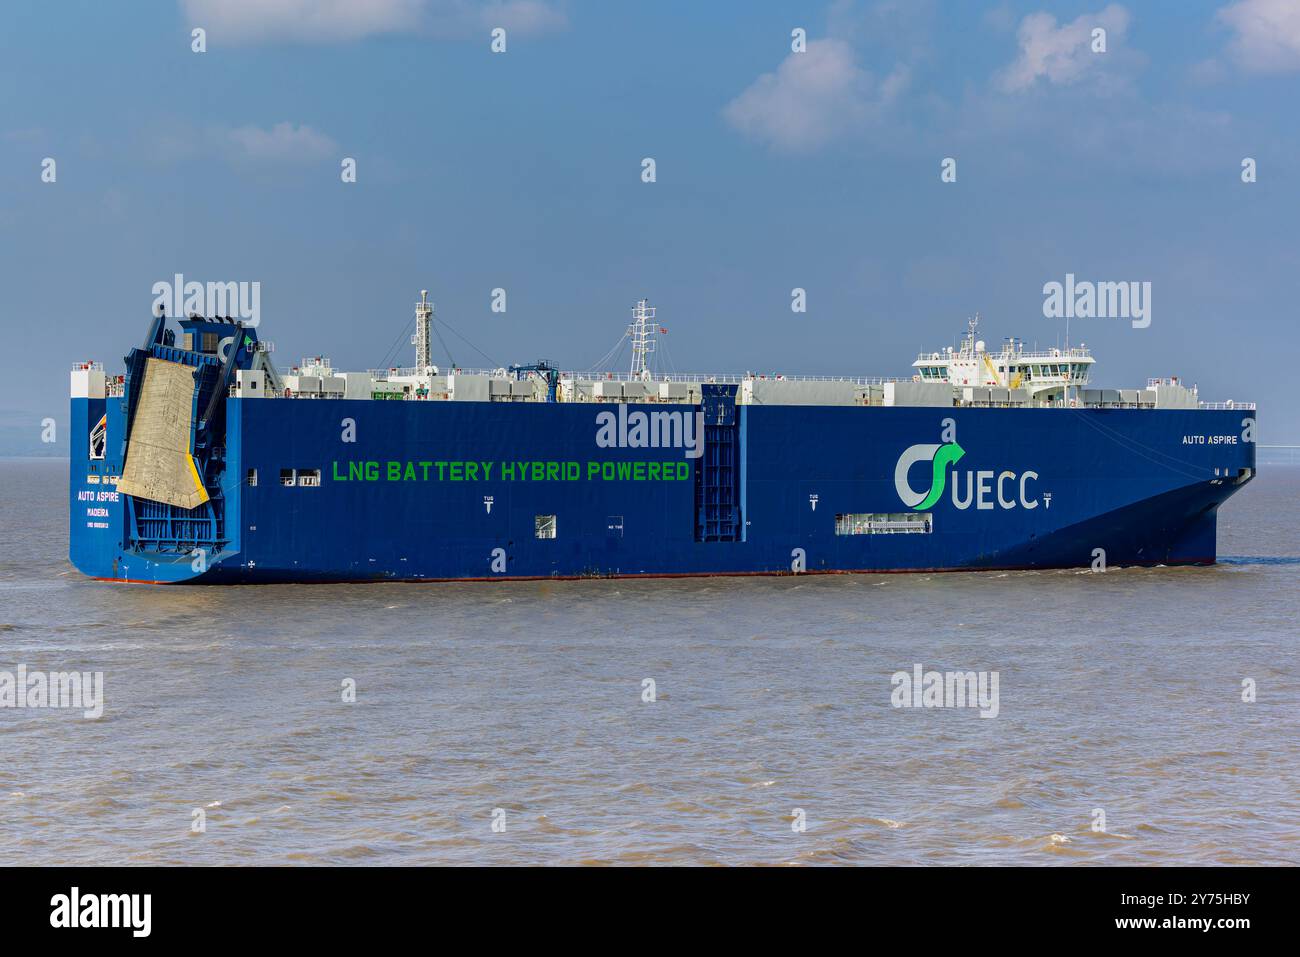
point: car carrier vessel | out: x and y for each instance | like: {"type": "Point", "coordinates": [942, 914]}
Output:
{"type": "Point", "coordinates": [203, 463]}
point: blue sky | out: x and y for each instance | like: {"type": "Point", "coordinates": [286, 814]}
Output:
{"type": "Point", "coordinates": [775, 170]}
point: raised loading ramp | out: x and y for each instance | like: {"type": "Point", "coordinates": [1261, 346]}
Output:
{"type": "Point", "coordinates": [159, 466]}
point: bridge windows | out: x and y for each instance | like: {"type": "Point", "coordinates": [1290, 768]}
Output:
{"type": "Point", "coordinates": [884, 523]}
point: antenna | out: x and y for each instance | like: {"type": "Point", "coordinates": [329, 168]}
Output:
{"type": "Point", "coordinates": [423, 320]}
{"type": "Point", "coordinates": [972, 325]}
{"type": "Point", "coordinates": [642, 331]}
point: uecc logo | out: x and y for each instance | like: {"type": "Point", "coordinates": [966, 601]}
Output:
{"type": "Point", "coordinates": [986, 489]}
{"type": "Point", "coordinates": [941, 457]}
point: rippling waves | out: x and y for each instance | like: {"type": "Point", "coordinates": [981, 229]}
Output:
{"type": "Point", "coordinates": [1119, 692]}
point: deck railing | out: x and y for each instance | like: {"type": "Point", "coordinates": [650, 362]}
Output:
{"type": "Point", "coordinates": [1046, 355]}
{"type": "Point", "coordinates": [726, 378]}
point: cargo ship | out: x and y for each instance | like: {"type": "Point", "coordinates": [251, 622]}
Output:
{"type": "Point", "coordinates": [203, 463]}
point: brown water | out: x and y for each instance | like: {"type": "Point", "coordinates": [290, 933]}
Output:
{"type": "Point", "coordinates": [1119, 691]}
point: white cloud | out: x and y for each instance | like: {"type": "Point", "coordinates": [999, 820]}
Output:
{"type": "Point", "coordinates": [337, 21]}
{"type": "Point", "coordinates": [522, 16]}
{"type": "Point", "coordinates": [1267, 34]}
{"type": "Point", "coordinates": [282, 143]}
{"type": "Point", "coordinates": [812, 98]}
{"type": "Point", "coordinates": [237, 21]}
{"type": "Point", "coordinates": [1062, 54]}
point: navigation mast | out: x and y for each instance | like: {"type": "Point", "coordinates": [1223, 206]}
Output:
{"type": "Point", "coordinates": [423, 322]}
{"type": "Point", "coordinates": [642, 332]}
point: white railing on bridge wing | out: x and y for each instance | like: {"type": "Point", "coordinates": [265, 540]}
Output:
{"type": "Point", "coordinates": [1248, 406]}
{"type": "Point", "coordinates": [1074, 352]}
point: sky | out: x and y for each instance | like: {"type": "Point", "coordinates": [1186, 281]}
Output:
{"type": "Point", "coordinates": [774, 170]}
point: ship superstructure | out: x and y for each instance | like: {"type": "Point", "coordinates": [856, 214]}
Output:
{"type": "Point", "coordinates": [203, 462]}
{"type": "Point", "coordinates": [1037, 376]}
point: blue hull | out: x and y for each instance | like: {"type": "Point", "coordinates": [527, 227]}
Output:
{"type": "Point", "coordinates": [1032, 488]}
